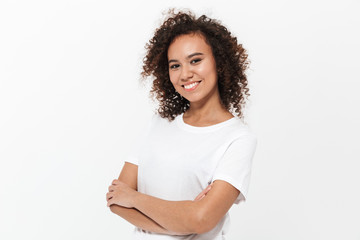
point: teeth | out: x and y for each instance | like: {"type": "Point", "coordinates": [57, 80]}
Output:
{"type": "Point", "coordinates": [191, 85]}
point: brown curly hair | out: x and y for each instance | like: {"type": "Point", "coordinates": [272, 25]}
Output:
{"type": "Point", "coordinates": [230, 57]}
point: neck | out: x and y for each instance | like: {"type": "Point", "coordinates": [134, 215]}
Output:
{"type": "Point", "coordinates": [207, 108]}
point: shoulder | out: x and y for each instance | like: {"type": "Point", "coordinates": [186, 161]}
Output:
{"type": "Point", "coordinates": [241, 131]}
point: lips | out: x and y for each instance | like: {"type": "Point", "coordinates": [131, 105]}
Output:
{"type": "Point", "coordinates": [191, 86]}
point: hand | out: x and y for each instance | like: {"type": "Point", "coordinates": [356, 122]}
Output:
{"type": "Point", "coordinates": [120, 194]}
{"type": "Point", "coordinates": [203, 193]}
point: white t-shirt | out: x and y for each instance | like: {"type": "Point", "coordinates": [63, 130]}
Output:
{"type": "Point", "coordinates": [176, 161]}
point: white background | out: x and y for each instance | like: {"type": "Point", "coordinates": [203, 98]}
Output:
{"type": "Point", "coordinates": [71, 105]}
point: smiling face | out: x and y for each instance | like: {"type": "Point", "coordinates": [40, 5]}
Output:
{"type": "Point", "coordinates": [192, 68]}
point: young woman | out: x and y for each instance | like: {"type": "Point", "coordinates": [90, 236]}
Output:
{"type": "Point", "coordinates": [194, 160]}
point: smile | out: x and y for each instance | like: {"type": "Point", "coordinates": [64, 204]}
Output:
{"type": "Point", "coordinates": [191, 86]}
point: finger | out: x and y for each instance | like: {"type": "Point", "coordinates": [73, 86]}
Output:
{"type": "Point", "coordinates": [109, 195]}
{"type": "Point", "coordinates": [111, 202]}
{"type": "Point", "coordinates": [115, 181]}
{"type": "Point", "coordinates": [111, 188]}
{"type": "Point", "coordinates": [198, 197]}
{"type": "Point", "coordinates": [207, 189]}
{"type": "Point", "coordinates": [203, 193]}
{"type": "Point", "coordinates": [201, 197]}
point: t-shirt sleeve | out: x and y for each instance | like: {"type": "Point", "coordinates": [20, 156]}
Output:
{"type": "Point", "coordinates": [235, 165]}
{"type": "Point", "coordinates": [137, 145]}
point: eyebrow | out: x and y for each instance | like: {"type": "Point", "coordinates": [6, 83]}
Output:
{"type": "Point", "coordinates": [188, 57]}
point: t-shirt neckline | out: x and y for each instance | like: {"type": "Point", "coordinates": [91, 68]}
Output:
{"type": "Point", "coordinates": [188, 127]}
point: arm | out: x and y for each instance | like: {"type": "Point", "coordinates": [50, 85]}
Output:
{"type": "Point", "coordinates": [128, 175]}
{"type": "Point", "coordinates": [138, 219]}
{"type": "Point", "coordinates": [180, 216]}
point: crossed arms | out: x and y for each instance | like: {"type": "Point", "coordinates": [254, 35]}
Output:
{"type": "Point", "coordinates": [169, 217]}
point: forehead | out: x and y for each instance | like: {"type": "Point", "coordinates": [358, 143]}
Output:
{"type": "Point", "coordinates": [185, 45]}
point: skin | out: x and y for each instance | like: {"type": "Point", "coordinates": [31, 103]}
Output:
{"type": "Point", "coordinates": [134, 216]}
{"type": "Point", "coordinates": [190, 60]}
{"type": "Point", "coordinates": [128, 176]}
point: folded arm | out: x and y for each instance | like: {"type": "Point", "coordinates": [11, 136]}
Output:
{"type": "Point", "coordinates": [140, 220]}
{"type": "Point", "coordinates": [128, 175]}
{"type": "Point", "coordinates": [178, 216]}
{"type": "Point", "coordinates": [189, 216]}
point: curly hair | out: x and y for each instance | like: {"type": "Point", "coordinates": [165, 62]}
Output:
{"type": "Point", "coordinates": [230, 57]}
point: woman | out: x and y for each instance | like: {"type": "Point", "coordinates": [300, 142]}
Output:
{"type": "Point", "coordinates": [194, 160]}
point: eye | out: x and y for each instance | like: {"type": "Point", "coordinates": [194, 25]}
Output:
{"type": "Point", "coordinates": [174, 66]}
{"type": "Point", "coordinates": [196, 60]}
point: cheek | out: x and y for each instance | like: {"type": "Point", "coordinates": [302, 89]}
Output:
{"type": "Point", "coordinates": [207, 69]}
{"type": "Point", "coordinates": [208, 72]}
{"type": "Point", "coordinates": [173, 77]}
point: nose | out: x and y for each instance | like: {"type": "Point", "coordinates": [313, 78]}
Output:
{"type": "Point", "coordinates": [186, 73]}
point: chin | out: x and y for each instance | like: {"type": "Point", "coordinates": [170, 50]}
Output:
{"type": "Point", "coordinates": [193, 99]}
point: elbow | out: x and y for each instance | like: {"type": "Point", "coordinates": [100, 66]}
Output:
{"type": "Point", "coordinates": [203, 223]}
{"type": "Point", "coordinates": [115, 209]}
